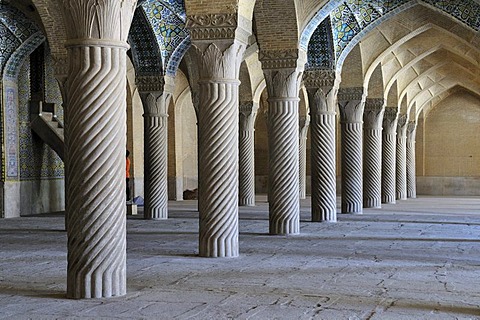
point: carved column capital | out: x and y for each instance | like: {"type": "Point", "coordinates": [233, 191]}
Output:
{"type": "Point", "coordinates": [411, 130]}
{"type": "Point", "coordinates": [390, 120]}
{"type": "Point", "coordinates": [155, 103]}
{"type": "Point", "coordinates": [304, 123]}
{"type": "Point", "coordinates": [402, 124]}
{"type": "Point", "coordinates": [219, 60]}
{"type": "Point", "coordinates": [350, 104]}
{"type": "Point", "coordinates": [373, 113]}
{"type": "Point", "coordinates": [283, 83]}
{"type": "Point", "coordinates": [248, 113]}
{"type": "Point", "coordinates": [100, 22]}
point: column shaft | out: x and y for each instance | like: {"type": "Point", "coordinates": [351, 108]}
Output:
{"type": "Point", "coordinates": [283, 195]}
{"type": "Point", "coordinates": [401, 163]}
{"type": "Point", "coordinates": [156, 164]}
{"type": "Point", "coordinates": [351, 152]}
{"type": "Point", "coordinates": [95, 142]}
{"type": "Point", "coordinates": [372, 174]}
{"type": "Point", "coordinates": [389, 148]}
{"type": "Point", "coordinates": [351, 105]}
{"type": "Point", "coordinates": [324, 198]}
{"type": "Point", "coordinates": [246, 178]}
{"type": "Point", "coordinates": [302, 154]}
{"type": "Point", "coordinates": [218, 169]}
{"type": "Point", "coordinates": [410, 158]}
{"type": "Point", "coordinates": [372, 156]}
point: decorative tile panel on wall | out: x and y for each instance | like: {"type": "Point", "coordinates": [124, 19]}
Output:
{"type": "Point", "coordinates": [11, 128]}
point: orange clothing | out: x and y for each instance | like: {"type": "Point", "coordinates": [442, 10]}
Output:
{"type": "Point", "coordinates": [128, 168]}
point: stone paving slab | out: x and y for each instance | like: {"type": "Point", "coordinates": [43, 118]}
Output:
{"type": "Point", "coordinates": [419, 259]}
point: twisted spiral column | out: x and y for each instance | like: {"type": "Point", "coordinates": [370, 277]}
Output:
{"type": "Point", "coordinates": [302, 154]}
{"type": "Point", "coordinates": [218, 147]}
{"type": "Point", "coordinates": [389, 145]}
{"type": "Point", "coordinates": [246, 178]}
{"type": "Point", "coordinates": [410, 158]}
{"type": "Point", "coordinates": [321, 97]}
{"type": "Point", "coordinates": [95, 141]}
{"type": "Point", "coordinates": [218, 174]}
{"type": "Point", "coordinates": [351, 112]}
{"type": "Point", "coordinates": [401, 166]}
{"type": "Point", "coordinates": [324, 198]}
{"type": "Point", "coordinates": [372, 153]}
{"type": "Point", "coordinates": [283, 166]}
{"type": "Point", "coordinates": [156, 164]}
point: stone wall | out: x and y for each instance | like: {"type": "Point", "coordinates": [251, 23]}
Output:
{"type": "Point", "coordinates": [448, 148]}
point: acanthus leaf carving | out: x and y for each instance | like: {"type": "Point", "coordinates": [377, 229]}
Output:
{"type": "Point", "coordinates": [390, 120]}
{"type": "Point", "coordinates": [373, 113]}
{"type": "Point", "coordinates": [283, 83]}
{"type": "Point", "coordinates": [216, 63]}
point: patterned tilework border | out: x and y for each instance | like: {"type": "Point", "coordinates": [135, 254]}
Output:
{"type": "Point", "coordinates": [11, 128]}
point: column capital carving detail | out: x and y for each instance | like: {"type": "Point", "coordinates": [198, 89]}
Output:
{"type": "Point", "coordinates": [350, 94]}
{"type": "Point", "coordinates": [402, 124]}
{"type": "Point", "coordinates": [147, 84]}
{"type": "Point", "coordinates": [373, 113]}
{"type": "Point", "coordinates": [219, 60]}
{"type": "Point", "coordinates": [218, 26]}
{"type": "Point", "coordinates": [155, 103]}
{"type": "Point", "coordinates": [282, 59]}
{"type": "Point", "coordinates": [320, 78]}
{"type": "Point", "coordinates": [283, 83]}
{"type": "Point", "coordinates": [390, 120]}
{"type": "Point", "coordinates": [411, 130]}
{"type": "Point", "coordinates": [92, 19]}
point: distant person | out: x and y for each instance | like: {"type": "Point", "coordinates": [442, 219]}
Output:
{"type": "Point", "coordinates": [128, 175]}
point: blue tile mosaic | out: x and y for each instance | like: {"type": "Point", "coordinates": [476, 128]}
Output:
{"type": "Point", "coordinates": [320, 52]}
{"type": "Point", "coordinates": [167, 19]}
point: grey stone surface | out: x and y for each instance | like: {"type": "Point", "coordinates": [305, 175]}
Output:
{"type": "Point", "coordinates": [418, 259]}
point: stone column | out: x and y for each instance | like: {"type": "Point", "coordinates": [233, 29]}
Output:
{"type": "Point", "coordinates": [401, 161]}
{"type": "Point", "coordinates": [389, 151]}
{"type": "Point", "coordinates": [372, 153]}
{"type": "Point", "coordinates": [302, 154]}
{"type": "Point", "coordinates": [321, 95]}
{"type": "Point", "coordinates": [218, 43]}
{"type": "Point", "coordinates": [155, 92]}
{"type": "Point", "coordinates": [410, 158]}
{"type": "Point", "coordinates": [283, 85]}
{"type": "Point", "coordinates": [351, 105]}
{"type": "Point", "coordinates": [95, 127]}
{"type": "Point", "coordinates": [246, 178]}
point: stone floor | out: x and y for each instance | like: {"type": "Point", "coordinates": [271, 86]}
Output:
{"type": "Point", "coordinates": [419, 259]}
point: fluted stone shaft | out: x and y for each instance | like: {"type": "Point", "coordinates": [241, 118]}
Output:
{"type": "Point", "coordinates": [389, 151]}
{"type": "Point", "coordinates": [401, 163]}
{"type": "Point", "coordinates": [322, 152]}
{"type": "Point", "coordinates": [351, 112]}
{"type": "Point", "coordinates": [410, 158]}
{"type": "Point", "coordinates": [283, 141]}
{"type": "Point", "coordinates": [302, 154]}
{"type": "Point", "coordinates": [246, 178]}
{"type": "Point", "coordinates": [283, 167]}
{"type": "Point", "coordinates": [95, 142]}
{"type": "Point", "coordinates": [218, 128]}
{"type": "Point", "coordinates": [155, 154]}
{"type": "Point", "coordinates": [372, 153]}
